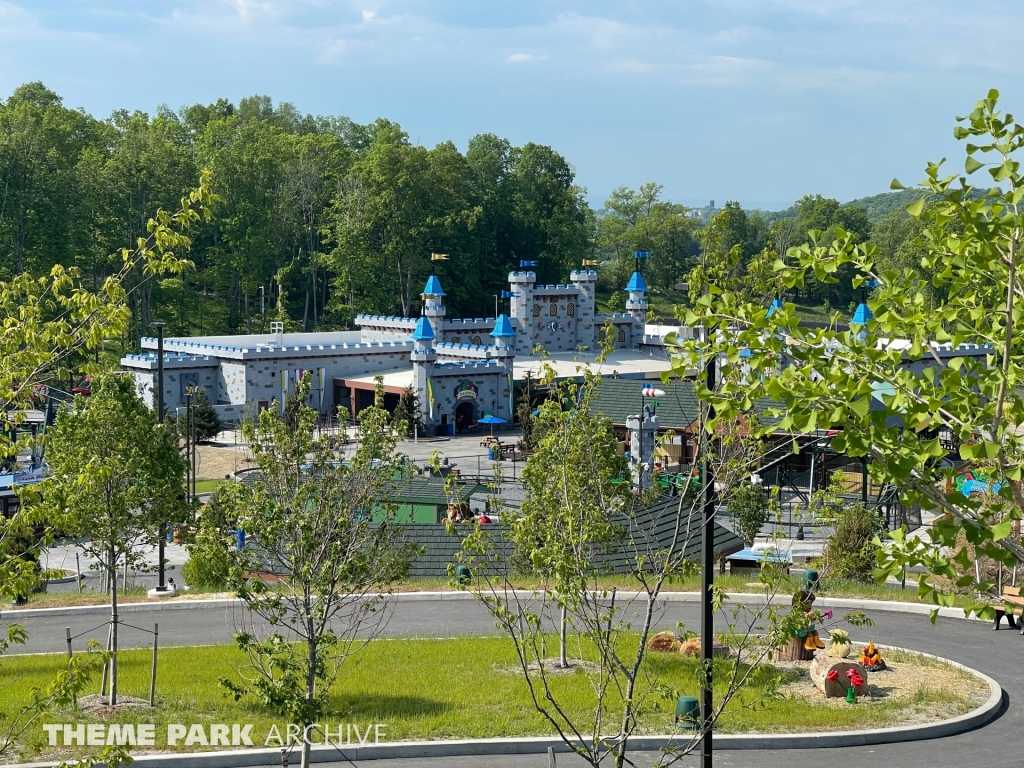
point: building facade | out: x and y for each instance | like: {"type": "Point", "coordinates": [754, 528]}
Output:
{"type": "Point", "coordinates": [460, 369]}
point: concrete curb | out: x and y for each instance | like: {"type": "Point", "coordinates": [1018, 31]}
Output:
{"type": "Point", "coordinates": [158, 604]}
{"type": "Point", "coordinates": [538, 745]}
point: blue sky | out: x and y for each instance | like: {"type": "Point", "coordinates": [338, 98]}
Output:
{"type": "Point", "coordinates": [760, 101]}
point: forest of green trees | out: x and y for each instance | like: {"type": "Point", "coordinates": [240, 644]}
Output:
{"type": "Point", "coordinates": [320, 218]}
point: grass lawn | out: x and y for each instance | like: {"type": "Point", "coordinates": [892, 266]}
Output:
{"type": "Point", "coordinates": [208, 486]}
{"type": "Point", "coordinates": [737, 584]}
{"type": "Point", "coordinates": [443, 689]}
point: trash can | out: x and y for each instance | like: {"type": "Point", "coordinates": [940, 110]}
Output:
{"type": "Point", "coordinates": [462, 574]}
{"type": "Point", "coordinates": [810, 580]}
{"type": "Point", "coordinates": [687, 712]}
{"type": "Point", "coordinates": [492, 454]}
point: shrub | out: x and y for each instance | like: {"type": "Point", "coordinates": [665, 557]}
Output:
{"type": "Point", "coordinates": [749, 508]}
{"type": "Point", "coordinates": [209, 559]}
{"type": "Point", "coordinates": [849, 553]}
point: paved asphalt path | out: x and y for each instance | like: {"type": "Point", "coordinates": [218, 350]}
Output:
{"type": "Point", "coordinates": [998, 654]}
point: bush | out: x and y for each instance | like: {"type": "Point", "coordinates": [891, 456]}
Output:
{"type": "Point", "coordinates": [849, 553]}
{"type": "Point", "coordinates": [209, 559]}
{"type": "Point", "coordinates": [749, 510]}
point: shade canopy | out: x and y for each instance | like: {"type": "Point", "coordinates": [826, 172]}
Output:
{"type": "Point", "coordinates": [491, 420]}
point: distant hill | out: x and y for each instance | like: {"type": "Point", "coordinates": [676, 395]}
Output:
{"type": "Point", "coordinates": [877, 206]}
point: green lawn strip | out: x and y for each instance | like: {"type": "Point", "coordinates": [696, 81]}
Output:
{"type": "Point", "coordinates": [429, 689]}
{"type": "Point", "coordinates": [208, 486]}
{"type": "Point", "coordinates": [732, 584]}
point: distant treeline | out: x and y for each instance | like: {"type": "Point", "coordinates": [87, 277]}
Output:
{"type": "Point", "coordinates": [321, 218]}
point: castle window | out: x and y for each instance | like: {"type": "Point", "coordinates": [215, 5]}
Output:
{"type": "Point", "coordinates": [554, 309]}
{"type": "Point", "coordinates": [475, 340]}
{"type": "Point", "coordinates": [570, 310]}
{"type": "Point", "coordinates": [536, 310]}
{"type": "Point", "coordinates": [455, 340]}
{"type": "Point", "coordinates": [622, 335]}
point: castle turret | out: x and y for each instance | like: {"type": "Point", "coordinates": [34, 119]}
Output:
{"type": "Point", "coordinates": [423, 357]}
{"type": "Point", "coordinates": [585, 281]}
{"type": "Point", "coordinates": [860, 318]}
{"type": "Point", "coordinates": [433, 307]}
{"type": "Point", "coordinates": [862, 315]}
{"type": "Point", "coordinates": [504, 341]}
{"type": "Point", "coordinates": [637, 303]}
{"type": "Point", "coordinates": [504, 352]}
{"type": "Point", "coordinates": [522, 284]}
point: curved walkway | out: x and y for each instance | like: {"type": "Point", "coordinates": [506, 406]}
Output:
{"type": "Point", "coordinates": [998, 654]}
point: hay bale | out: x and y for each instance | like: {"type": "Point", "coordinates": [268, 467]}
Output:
{"type": "Point", "coordinates": [663, 642]}
{"type": "Point", "coordinates": [691, 647]}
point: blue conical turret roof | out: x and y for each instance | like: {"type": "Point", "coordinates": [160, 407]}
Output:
{"type": "Point", "coordinates": [424, 331]}
{"type": "Point", "coordinates": [862, 315]}
{"type": "Point", "coordinates": [636, 283]}
{"type": "Point", "coordinates": [433, 287]}
{"type": "Point", "coordinates": [503, 327]}
{"type": "Point", "coordinates": [775, 307]}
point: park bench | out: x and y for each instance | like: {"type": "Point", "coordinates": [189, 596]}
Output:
{"type": "Point", "coordinates": [1013, 604]}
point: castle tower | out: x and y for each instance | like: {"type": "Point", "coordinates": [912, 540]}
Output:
{"type": "Point", "coordinates": [433, 307]}
{"type": "Point", "coordinates": [637, 303]}
{"type": "Point", "coordinates": [423, 357]}
{"type": "Point", "coordinates": [585, 281]}
{"type": "Point", "coordinates": [504, 351]}
{"type": "Point", "coordinates": [521, 284]}
{"type": "Point", "coordinates": [860, 318]}
{"type": "Point", "coordinates": [504, 341]}
{"type": "Point", "coordinates": [862, 315]}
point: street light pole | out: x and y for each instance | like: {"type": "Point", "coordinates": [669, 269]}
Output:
{"type": "Point", "coordinates": [159, 325]}
{"type": "Point", "coordinates": [189, 446]}
{"type": "Point", "coordinates": [707, 613]}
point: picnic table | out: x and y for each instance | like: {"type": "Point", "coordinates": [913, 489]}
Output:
{"type": "Point", "coordinates": [488, 441]}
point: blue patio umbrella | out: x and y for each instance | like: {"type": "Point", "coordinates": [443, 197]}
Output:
{"type": "Point", "coordinates": [492, 420]}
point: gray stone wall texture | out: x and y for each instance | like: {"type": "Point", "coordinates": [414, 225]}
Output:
{"type": "Point", "coordinates": [492, 390]}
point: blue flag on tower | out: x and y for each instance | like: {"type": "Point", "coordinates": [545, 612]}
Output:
{"type": "Point", "coordinates": [525, 263]}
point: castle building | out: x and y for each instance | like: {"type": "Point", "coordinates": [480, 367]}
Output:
{"type": "Point", "coordinates": [460, 369]}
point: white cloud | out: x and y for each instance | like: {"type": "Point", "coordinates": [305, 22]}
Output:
{"type": "Point", "coordinates": [521, 58]}
{"type": "Point", "coordinates": [368, 15]}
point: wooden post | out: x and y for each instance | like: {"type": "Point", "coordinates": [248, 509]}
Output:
{"type": "Point", "coordinates": [152, 676]}
{"type": "Point", "coordinates": [67, 634]}
{"type": "Point", "coordinates": [106, 665]}
{"type": "Point", "coordinates": [78, 571]}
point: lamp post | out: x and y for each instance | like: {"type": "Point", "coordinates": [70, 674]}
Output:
{"type": "Point", "coordinates": [707, 612]}
{"type": "Point", "coordinates": [190, 443]}
{"type": "Point", "coordinates": [707, 580]}
{"type": "Point", "coordinates": [162, 530]}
